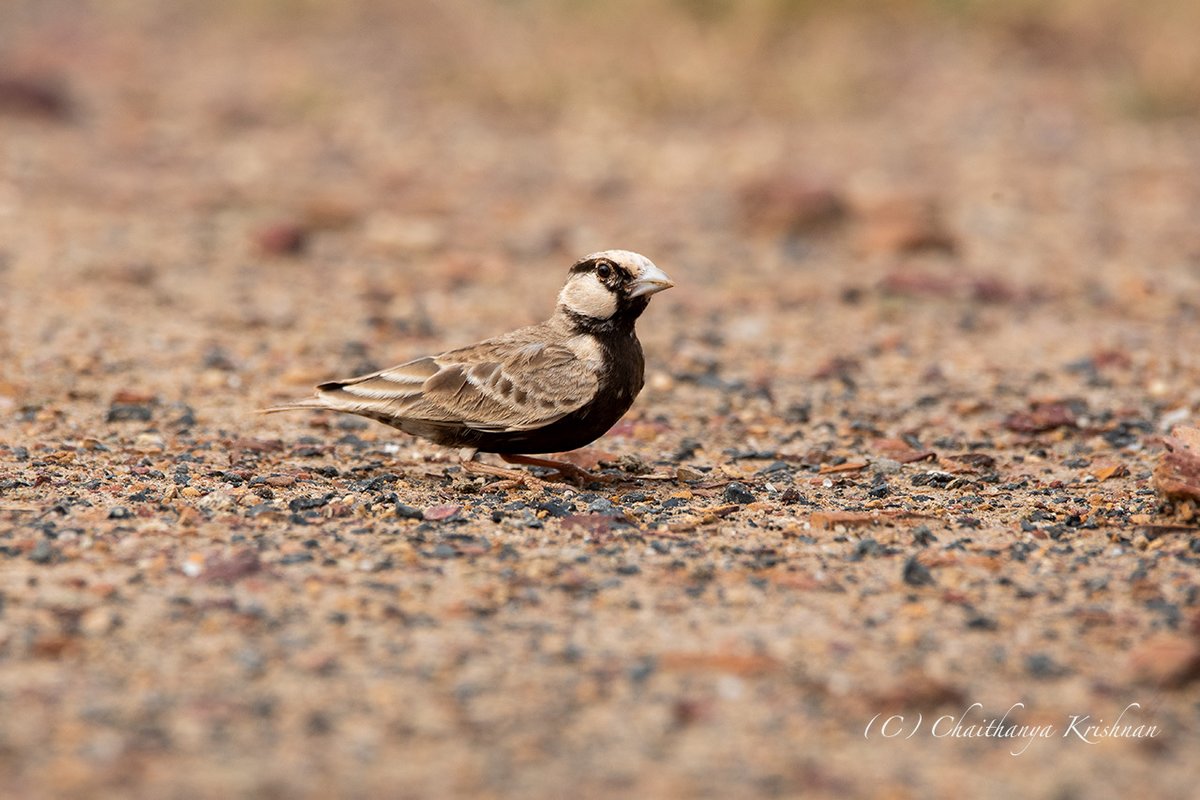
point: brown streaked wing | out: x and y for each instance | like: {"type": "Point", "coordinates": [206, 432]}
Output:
{"type": "Point", "coordinates": [507, 384]}
{"type": "Point", "coordinates": [507, 387]}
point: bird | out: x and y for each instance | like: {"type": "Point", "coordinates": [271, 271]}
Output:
{"type": "Point", "coordinates": [546, 388]}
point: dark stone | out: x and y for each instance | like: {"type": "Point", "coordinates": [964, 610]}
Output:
{"type": "Point", "coordinates": [557, 508]}
{"type": "Point", "coordinates": [790, 495]}
{"type": "Point", "coordinates": [186, 418]}
{"type": "Point", "coordinates": [43, 553]}
{"type": "Point", "coordinates": [865, 548]}
{"type": "Point", "coordinates": [1040, 665]}
{"type": "Point", "coordinates": [603, 506]}
{"type": "Point", "coordinates": [643, 669]}
{"type": "Point", "coordinates": [933, 478]}
{"type": "Point", "coordinates": [923, 536]}
{"type": "Point", "coordinates": [306, 503]}
{"type": "Point", "coordinates": [917, 574]}
{"type": "Point", "coordinates": [373, 485]}
{"type": "Point", "coordinates": [216, 357]}
{"type": "Point", "coordinates": [129, 412]}
{"type": "Point", "coordinates": [738, 493]}
{"type": "Point", "coordinates": [687, 448]}
{"type": "Point", "coordinates": [404, 511]}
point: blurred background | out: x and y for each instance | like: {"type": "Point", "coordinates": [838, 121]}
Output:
{"type": "Point", "coordinates": [394, 146]}
{"type": "Point", "coordinates": [380, 152]}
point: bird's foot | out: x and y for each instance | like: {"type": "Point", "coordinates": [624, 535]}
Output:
{"type": "Point", "coordinates": [567, 472]}
{"type": "Point", "coordinates": [511, 478]}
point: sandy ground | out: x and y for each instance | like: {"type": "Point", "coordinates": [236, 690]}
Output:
{"type": "Point", "coordinates": [938, 302]}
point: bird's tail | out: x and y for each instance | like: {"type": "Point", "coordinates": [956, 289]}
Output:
{"type": "Point", "coordinates": [328, 397]}
{"type": "Point", "coordinates": [311, 404]}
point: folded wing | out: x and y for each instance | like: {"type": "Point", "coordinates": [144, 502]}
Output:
{"type": "Point", "coordinates": [493, 387]}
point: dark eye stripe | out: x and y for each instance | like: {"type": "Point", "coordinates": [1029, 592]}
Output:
{"type": "Point", "coordinates": [591, 266]}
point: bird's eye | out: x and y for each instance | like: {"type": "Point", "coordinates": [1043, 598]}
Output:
{"type": "Point", "coordinates": [603, 271]}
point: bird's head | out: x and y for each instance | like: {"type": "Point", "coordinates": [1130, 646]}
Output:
{"type": "Point", "coordinates": [611, 287]}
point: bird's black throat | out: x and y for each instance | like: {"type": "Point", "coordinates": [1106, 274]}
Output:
{"type": "Point", "coordinates": [619, 324]}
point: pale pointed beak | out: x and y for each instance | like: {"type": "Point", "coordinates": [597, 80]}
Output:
{"type": "Point", "coordinates": [651, 281]}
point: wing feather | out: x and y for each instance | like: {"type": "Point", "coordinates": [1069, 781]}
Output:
{"type": "Point", "coordinates": [513, 383]}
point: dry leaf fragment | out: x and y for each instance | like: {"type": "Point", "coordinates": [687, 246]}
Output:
{"type": "Point", "coordinates": [1103, 473]}
{"type": "Point", "coordinates": [900, 450]}
{"type": "Point", "coordinates": [849, 466]}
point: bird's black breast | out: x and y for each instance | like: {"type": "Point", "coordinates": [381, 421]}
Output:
{"type": "Point", "coordinates": [621, 377]}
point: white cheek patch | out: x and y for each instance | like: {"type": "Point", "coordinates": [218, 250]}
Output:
{"type": "Point", "coordinates": [585, 294]}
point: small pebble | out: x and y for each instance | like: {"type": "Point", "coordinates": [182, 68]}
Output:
{"type": "Point", "coordinates": [917, 574]}
{"type": "Point", "coordinates": [282, 239]}
{"type": "Point", "coordinates": [886, 466]}
{"type": "Point", "coordinates": [923, 536]}
{"type": "Point", "coordinates": [441, 513]}
{"type": "Point", "coordinates": [42, 553]}
{"type": "Point", "coordinates": [129, 412]}
{"type": "Point", "coordinates": [603, 506]}
{"type": "Point", "coordinates": [408, 512]}
{"type": "Point", "coordinates": [556, 508]}
{"type": "Point", "coordinates": [738, 493]}
{"type": "Point", "coordinates": [1040, 665]}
